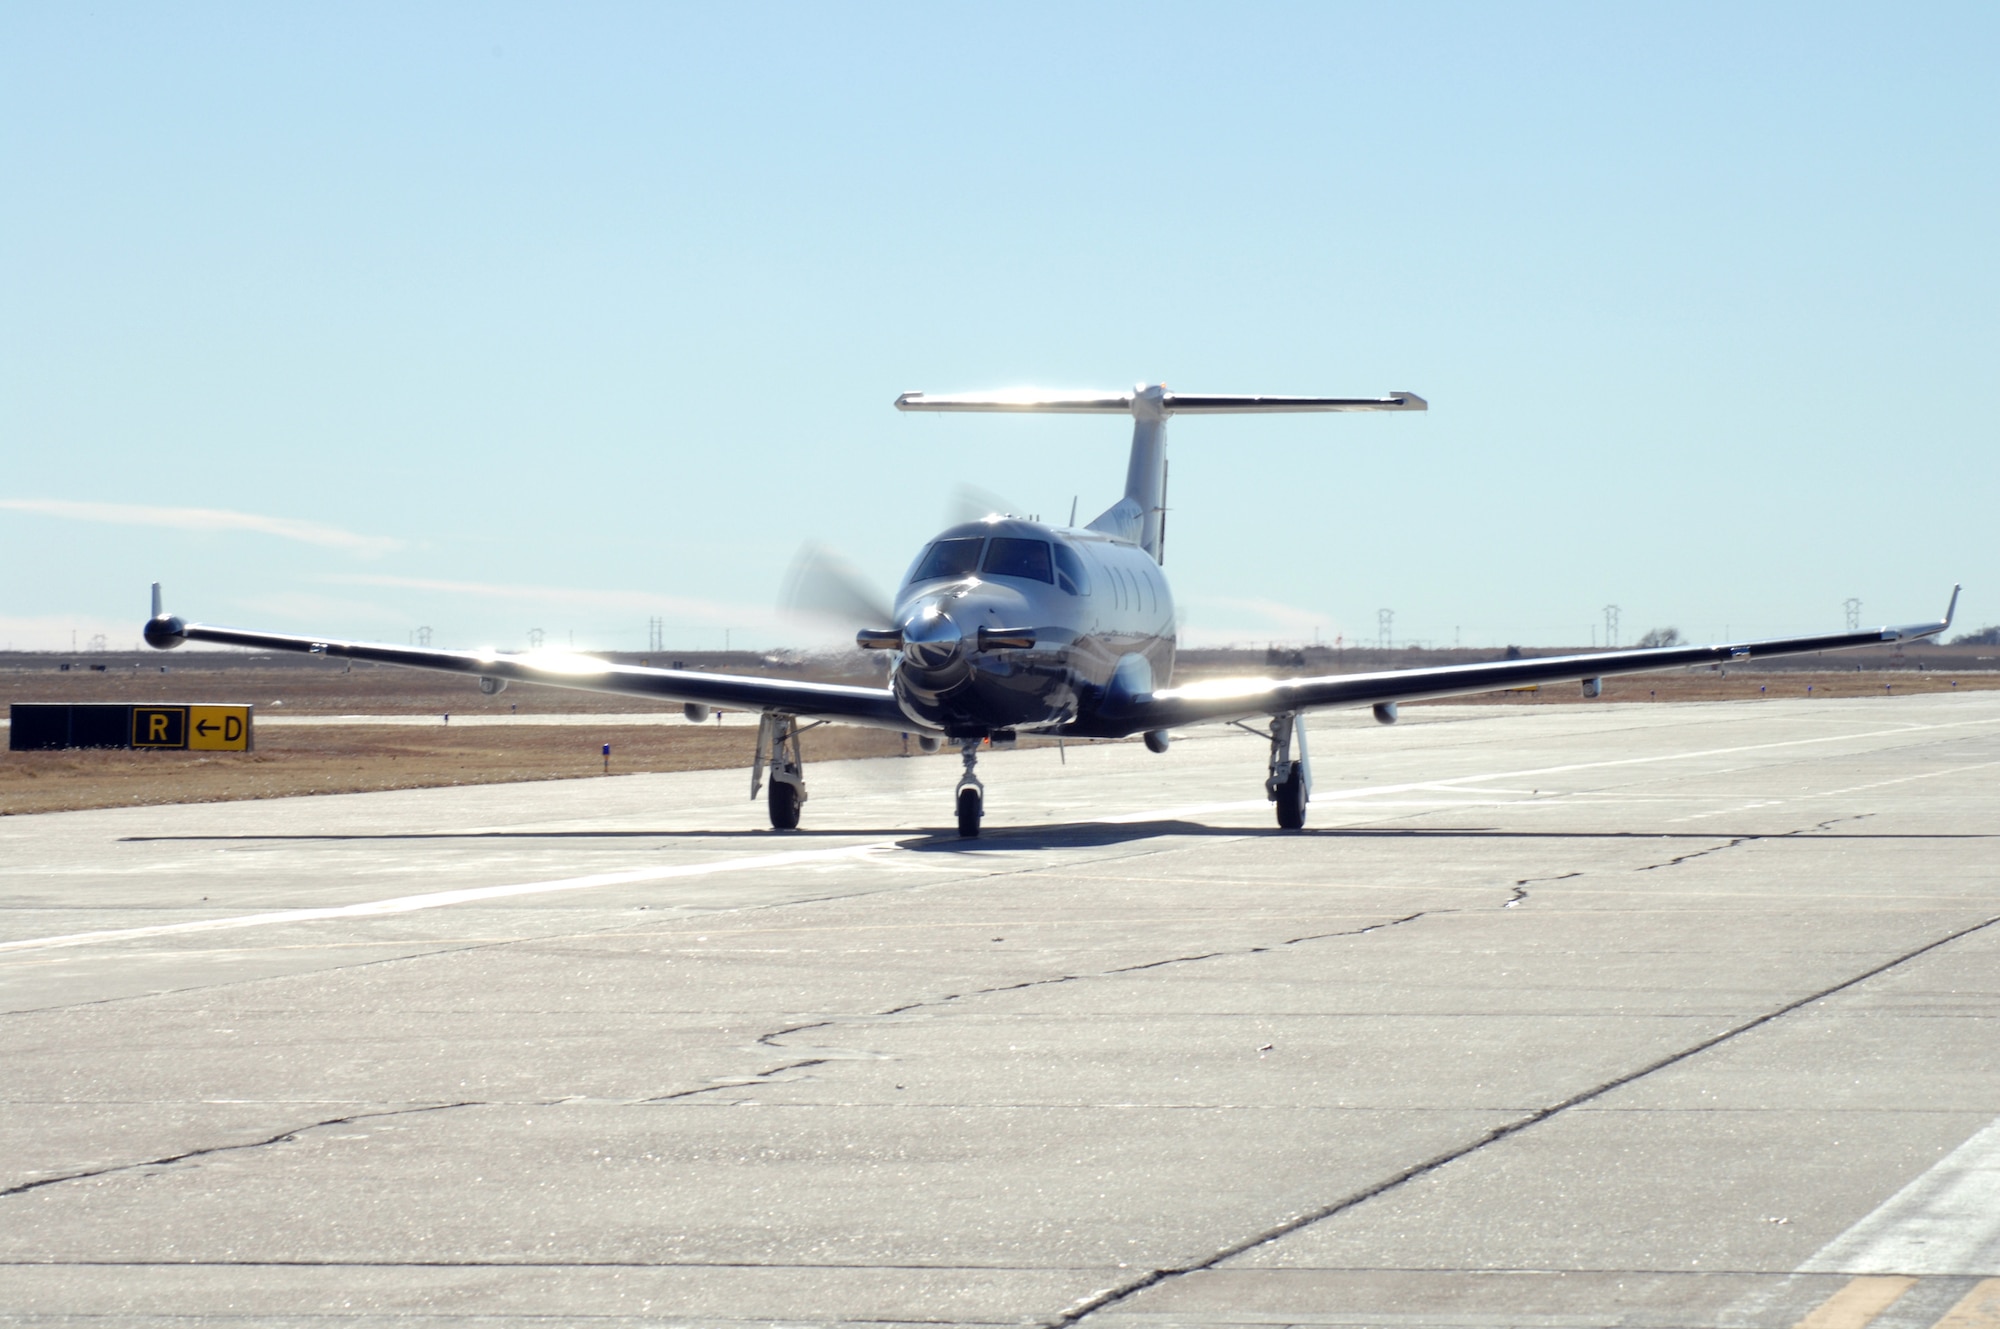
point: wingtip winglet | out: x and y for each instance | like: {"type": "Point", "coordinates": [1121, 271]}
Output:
{"type": "Point", "coordinates": [163, 632]}
{"type": "Point", "coordinates": [1951, 609]}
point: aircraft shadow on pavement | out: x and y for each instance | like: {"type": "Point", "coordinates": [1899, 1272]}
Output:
{"type": "Point", "coordinates": [1080, 835]}
{"type": "Point", "coordinates": [1055, 835]}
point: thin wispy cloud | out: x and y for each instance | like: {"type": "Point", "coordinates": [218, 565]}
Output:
{"type": "Point", "coordinates": [681, 609]}
{"type": "Point", "coordinates": [64, 632]}
{"type": "Point", "coordinates": [205, 519]}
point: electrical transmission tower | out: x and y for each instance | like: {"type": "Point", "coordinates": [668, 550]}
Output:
{"type": "Point", "coordinates": [1853, 607]}
{"type": "Point", "coordinates": [535, 636]}
{"type": "Point", "coordinates": [423, 636]}
{"type": "Point", "coordinates": [1610, 626]}
{"type": "Point", "coordinates": [1384, 620]}
{"type": "Point", "coordinates": [656, 634]}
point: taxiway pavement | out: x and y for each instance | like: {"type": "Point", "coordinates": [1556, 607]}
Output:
{"type": "Point", "coordinates": [1642, 1015]}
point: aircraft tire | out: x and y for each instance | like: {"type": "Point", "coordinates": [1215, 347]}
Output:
{"type": "Point", "coordinates": [784, 806]}
{"type": "Point", "coordinates": [970, 806]}
{"type": "Point", "coordinates": [1292, 802]}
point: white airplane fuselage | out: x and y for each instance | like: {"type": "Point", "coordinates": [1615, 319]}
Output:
{"type": "Point", "coordinates": [1098, 609]}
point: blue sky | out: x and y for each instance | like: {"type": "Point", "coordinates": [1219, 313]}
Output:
{"type": "Point", "coordinates": [495, 317]}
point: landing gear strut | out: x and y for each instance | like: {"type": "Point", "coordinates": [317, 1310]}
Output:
{"type": "Point", "coordinates": [1290, 782]}
{"type": "Point", "coordinates": [971, 793]}
{"type": "Point", "coordinates": [778, 750]}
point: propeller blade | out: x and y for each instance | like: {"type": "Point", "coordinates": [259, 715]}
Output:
{"type": "Point", "coordinates": [828, 589]}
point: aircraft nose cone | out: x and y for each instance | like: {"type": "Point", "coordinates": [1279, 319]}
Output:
{"type": "Point", "coordinates": [930, 639]}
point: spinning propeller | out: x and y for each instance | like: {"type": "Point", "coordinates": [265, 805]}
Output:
{"type": "Point", "coordinates": [825, 588]}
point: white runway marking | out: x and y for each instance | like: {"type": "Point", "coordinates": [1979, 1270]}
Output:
{"type": "Point", "coordinates": [1905, 779]}
{"type": "Point", "coordinates": [1946, 1222]}
{"type": "Point", "coordinates": [439, 899]}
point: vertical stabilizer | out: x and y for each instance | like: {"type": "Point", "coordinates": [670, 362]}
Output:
{"type": "Point", "coordinates": [1145, 472]}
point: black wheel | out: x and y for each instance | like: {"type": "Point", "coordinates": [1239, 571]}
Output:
{"type": "Point", "coordinates": [784, 806]}
{"type": "Point", "coordinates": [970, 805]}
{"type": "Point", "coordinates": [1292, 801]}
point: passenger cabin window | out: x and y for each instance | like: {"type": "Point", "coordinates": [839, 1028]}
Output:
{"type": "Point", "coordinates": [1070, 575]}
{"type": "Point", "coordinates": [1008, 556]}
{"type": "Point", "coordinates": [949, 558]}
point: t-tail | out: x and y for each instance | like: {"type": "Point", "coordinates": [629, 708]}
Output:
{"type": "Point", "coordinates": [1140, 516]}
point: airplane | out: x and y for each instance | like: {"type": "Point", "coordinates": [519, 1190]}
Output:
{"type": "Point", "coordinates": [1005, 626]}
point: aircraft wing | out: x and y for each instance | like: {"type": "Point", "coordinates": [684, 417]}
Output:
{"type": "Point", "coordinates": [1248, 698]}
{"type": "Point", "coordinates": [737, 692]}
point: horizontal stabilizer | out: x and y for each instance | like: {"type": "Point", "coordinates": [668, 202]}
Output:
{"type": "Point", "coordinates": [1086, 402]}
{"type": "Point", "coordinates": [1079, 402]}
{"type": "Point", "coordinates": [1187, 403]}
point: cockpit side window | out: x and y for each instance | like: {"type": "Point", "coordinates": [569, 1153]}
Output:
{"type": "Point", "coordinates": [1070, 575]}
{"type": "Point", "coordinates": [1010, 556]}
{"type": "Point", "coordinates": [948, 558]}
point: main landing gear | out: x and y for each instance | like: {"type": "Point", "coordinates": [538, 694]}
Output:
{"type": "Point", "coordinates": [778, 750]}
{"type": "Point", "coordinates": [1290, 783]}
{"type": "Point", "coordinates": [971, 793]}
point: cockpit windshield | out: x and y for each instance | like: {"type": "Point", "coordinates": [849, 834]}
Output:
{"type": "Point", "coordinates": [1009, 556]}
{"type": "Point", "coordinates": [947, 558]}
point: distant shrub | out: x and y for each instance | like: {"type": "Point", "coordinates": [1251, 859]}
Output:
{"type": "Point", "coordinates": [1983, 637]}
{"type": "Point", "coordinates": [1661, 637]}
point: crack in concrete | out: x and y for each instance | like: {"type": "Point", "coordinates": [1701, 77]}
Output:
{"type": "Point", "coordinates": [1737, 841]}
{"type": "Point", "coordinates": [767, 1040]}
{"type": "Point", "coordinates": [738, 1082]}
{"type": "Point", "coordinates": [1520, 888]}
{"type": "Point", "coordinates": [282, 1137]}
{"type": "Point", "coordinates": [1113, 1296]}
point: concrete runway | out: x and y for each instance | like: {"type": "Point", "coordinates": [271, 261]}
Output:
{"type": "Point", "coordinates": [1557, 1016]}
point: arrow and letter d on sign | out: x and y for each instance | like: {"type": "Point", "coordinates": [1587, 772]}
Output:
{"type": "Point", "coordinates": [219, 728]}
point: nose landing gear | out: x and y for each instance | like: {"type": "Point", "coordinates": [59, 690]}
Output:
{"type": "Point", "coordinates": [971, 792]}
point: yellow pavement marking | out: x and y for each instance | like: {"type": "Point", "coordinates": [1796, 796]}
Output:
{"type": "Point", "coordinates": [1856, 1305]}
{"type": "Point", "coordinates": [1978, 1309]}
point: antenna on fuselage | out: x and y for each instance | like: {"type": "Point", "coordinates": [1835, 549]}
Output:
{"type": "Point", "coordinates": [1140, 516]}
